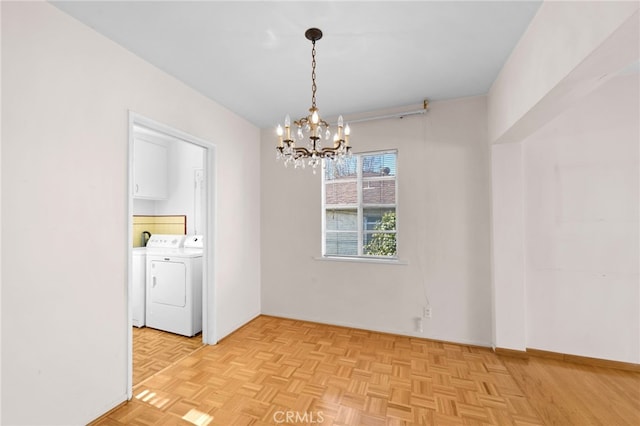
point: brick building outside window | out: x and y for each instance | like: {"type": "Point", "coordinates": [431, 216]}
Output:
{"type": "Point", "coordinates": [359, 205]}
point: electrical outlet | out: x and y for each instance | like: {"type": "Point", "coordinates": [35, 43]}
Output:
{"type": "Point", "coordinates": [426, 312]}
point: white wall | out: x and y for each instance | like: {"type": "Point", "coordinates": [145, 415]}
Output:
{"type": "Point", "coordinates": [582, 208]}
{"type": "Point", "coordinates": [572, 121]}
{"type": "Point", "coordinates": [66, 93]}
{"type": "Point", "coordinates": [560, 37]}
{"type": "Point", "coordinates": [509, 307]}
{"type": "Point", "coordinates": [1, 209]}
{"type": "Point", "coordinates": [443, 221]}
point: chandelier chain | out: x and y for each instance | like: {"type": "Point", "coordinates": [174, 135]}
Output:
{"type": "Point", "coordinates": [313, 75]}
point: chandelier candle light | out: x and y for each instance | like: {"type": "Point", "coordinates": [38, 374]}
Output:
{"type": "Point", "coordinates": [312, 128]}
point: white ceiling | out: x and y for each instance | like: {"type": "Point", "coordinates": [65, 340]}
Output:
{"type": "Point", "coordinates": [253, 58]}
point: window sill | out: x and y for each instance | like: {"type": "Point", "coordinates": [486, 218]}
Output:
{"type": "Point", "coordinates": [393, 261]}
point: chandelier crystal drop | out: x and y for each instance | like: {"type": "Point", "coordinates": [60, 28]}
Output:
{"type": "Point", "coordinates": [312, 128]}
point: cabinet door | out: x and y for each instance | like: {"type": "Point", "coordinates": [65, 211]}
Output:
{"type": "Point", "coordinates": [149, 170]}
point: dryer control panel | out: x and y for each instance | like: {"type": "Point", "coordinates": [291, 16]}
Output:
{"type": "Point", "coordinates": [166, 241]}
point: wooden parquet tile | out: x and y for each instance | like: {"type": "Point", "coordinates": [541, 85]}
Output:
{"type": "Point", "coordinates": [155, 350]}
{"type": "Point", "coordinates": [280, 371]}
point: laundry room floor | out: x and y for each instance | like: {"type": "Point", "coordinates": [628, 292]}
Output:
{"type": "Point", "coordinates": [155, 350]}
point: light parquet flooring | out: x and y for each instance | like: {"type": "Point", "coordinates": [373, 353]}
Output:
{"type": "Point", "coordinates": [280, 371]}
{"type": "Point", "coordinates": [155, 350]}
{"type": "Point", "coordinates": [565, 393]}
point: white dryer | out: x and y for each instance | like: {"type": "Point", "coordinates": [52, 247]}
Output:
{"type": "Point", "coordinates": [174, 285]}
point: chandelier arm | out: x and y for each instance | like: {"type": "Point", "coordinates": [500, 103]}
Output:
{"type": "Point", "coordinates": [304, 152]}
{"type": "Point", "coordinates": [302, 122]}
{"type": "Point", "coordinates": [331, 150]}
{"type": "Point", "coordinates": [307, 120]}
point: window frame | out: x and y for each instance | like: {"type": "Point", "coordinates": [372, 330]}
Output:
{"type": "Point", "coordinates": [360, 208]}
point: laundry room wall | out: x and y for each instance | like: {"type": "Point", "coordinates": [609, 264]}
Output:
{"type": "Point", "coordinates": [66, 96]}
{"type": "Point", "coordinates": [185, 188]}
{"type": "Point", "coordinates": [186, 195]}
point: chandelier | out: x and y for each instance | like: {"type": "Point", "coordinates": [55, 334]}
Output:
{"type": "Point", "coordinates": [312, 129]}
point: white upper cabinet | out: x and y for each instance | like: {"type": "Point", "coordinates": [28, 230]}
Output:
{"type": "Point", "coordinates": [150, 169]}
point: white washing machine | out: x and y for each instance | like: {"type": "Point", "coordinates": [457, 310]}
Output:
{"type": "Point", "coordinates": [174, 284]}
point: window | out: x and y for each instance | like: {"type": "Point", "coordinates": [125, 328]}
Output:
{"type": "Point", "coordinates": [359, 205]}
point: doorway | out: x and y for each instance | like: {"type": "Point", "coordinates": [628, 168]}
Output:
{"type": "Point", "coordinates": [198, 207]}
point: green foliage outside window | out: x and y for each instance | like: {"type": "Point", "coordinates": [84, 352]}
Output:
{"type": "Point", "coordinates": [383, 244]}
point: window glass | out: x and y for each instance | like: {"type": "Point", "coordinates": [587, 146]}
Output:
{"type": "Point", "coordinates": [340, 193]}
{"type": "Point", "coordinates": [341, 220]}
{"type": "Point", "coordinates": [359, 205]}
{"type": "Point", "coordinates": [342, 243]}
{"type": "Point", "coordinates": [345, 169]}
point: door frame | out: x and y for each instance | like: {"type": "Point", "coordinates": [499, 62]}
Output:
{"type": "Point", "coordinates": [209, 335]}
